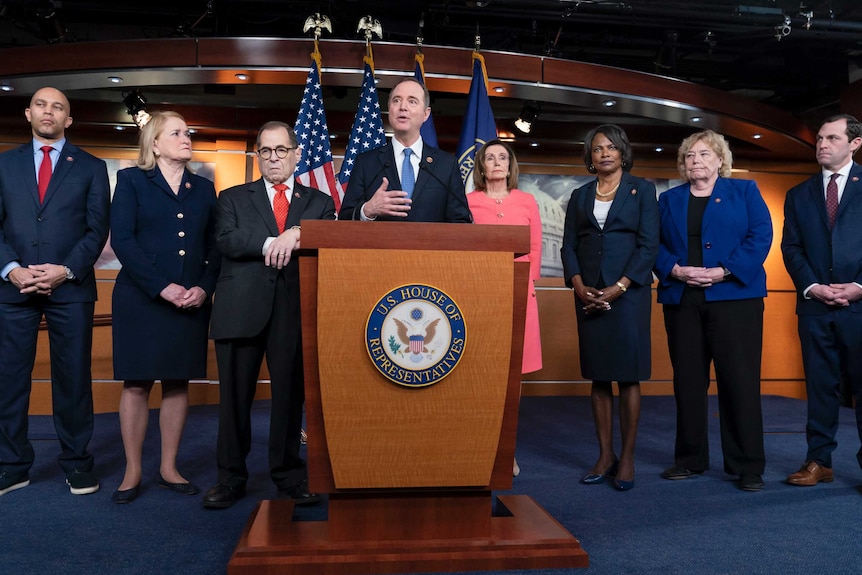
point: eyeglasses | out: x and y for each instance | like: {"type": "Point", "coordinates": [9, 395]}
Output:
{"type": "Point", "coordinates": [280, 152]}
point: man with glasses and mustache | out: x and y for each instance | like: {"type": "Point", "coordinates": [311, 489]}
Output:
{"type": "Point", "coordinates": [256, 312]}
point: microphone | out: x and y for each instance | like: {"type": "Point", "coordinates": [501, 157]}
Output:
{"type": "Point", "coordinates": [460, 197]}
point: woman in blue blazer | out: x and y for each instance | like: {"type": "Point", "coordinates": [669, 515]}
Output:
{"type": "Point", "coordinates": [610, 242]}
{"type": "Point", "coordinates": [163, 233]}
{"type": "Point", "coordinates": [715, 235]}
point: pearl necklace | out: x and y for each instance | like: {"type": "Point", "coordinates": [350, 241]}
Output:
{"type": "Point", "coordinates": [606, 194]}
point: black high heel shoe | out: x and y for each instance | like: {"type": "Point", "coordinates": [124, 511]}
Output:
{"type": "Point", "coordinates": [595, 479]}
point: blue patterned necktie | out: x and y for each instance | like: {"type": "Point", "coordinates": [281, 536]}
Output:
{"type": "Point", "coordinates": [408, 178]}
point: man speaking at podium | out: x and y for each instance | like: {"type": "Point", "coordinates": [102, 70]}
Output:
{"type": "Point", "coordinates": [406, 180]}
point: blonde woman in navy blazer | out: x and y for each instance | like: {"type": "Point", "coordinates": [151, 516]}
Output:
{"type": "Point", "coordinates": [163, 233]}
{"type": "Point", "coordinates": [610, 242]}
{"type": "Point", "coordinates": [715, 235]}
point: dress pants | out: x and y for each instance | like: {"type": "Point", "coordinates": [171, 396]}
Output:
{"type": "Point", "coordinates": [70, 335]}
{"type": "Point", "coordinates": [831, 350]}
{"type": "Point", "coordinates": [730, 335]}
{"type": "Point", "coordinates": [239, 362]}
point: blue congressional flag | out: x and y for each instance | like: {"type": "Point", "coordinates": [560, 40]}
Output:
{"type": "Point", "coordinates": [315, 167]}
{"type": "Point", "coordinates": [479, 126]}
{"type": "Point", "coordinates": [428, 132]}
{"type": "Point", "coordinates": [367, 132]}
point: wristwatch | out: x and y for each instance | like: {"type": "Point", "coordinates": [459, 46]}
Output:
{"type": "Point", "coordinates": [69, 274]}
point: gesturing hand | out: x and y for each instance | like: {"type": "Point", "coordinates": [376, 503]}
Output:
{"type": "Point", "coordinates": [387, 203]}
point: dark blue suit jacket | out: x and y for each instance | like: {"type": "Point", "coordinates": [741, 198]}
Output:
{"type": "Point", "coordinates": [69, 228]}
{"type": "Point", "coordinates": [626, 246]}
{"type": "Point", "coordinates": [812, 252]}
{"type": "Point", "coordinates": [438, 196]}
{"type": "Point", "coordinates": [736, 234]}
{"type": "Point", "coordinates": [145, 231]}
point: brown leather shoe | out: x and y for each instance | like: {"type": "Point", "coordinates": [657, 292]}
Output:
{"type": "Point", "coordinates": [811, 473]}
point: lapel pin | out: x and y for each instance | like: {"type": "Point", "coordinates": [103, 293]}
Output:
{"type": "Point", "coordinates": [295, 194]}
{"type": "Point", "coordinates": [71, 159]}
{"type": "Point", "coordinates": [188, 185]}
{"type": "Point", "coordinates": [717, 200]}
{"type": "Point", "coordinates": [429, 160]}
{"type": "Point", "coordinates": [855, 178]}
{"type": "Point", "coordinates": [634, 192]}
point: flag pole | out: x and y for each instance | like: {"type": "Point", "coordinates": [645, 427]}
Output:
{"type": "Point", "coordinates": [315, 167]}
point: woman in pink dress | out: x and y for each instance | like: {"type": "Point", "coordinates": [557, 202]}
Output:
{"type": "Point", "coordinates": [497, 201]}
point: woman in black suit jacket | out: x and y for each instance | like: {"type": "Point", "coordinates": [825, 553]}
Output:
{"type": "Point", "coordinates": [162, 231]}
{"type": "Point", "coordinates": [610, 243]}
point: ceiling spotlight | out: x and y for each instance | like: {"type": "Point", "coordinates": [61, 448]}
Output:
{"type": "Point", "coordinates": [757, 136]}
{"type": "Point", "coordinates": [665, 56]}
{"type": "Point", "coordinates": [696, 119]}
{"type": "Point", "coordinates": [136, 105]}
{"type": "Point", "coordinates": [534, 144]}
{"type": "Point", "coordinates": [659, 149]}
{"type": "Point", "coordinates": [528, 115]}
{"type": "Point", "coordinates": [51, 26]}
{"type": "Point", "coordinates": [609, 103]}
{"type": "Point", "coordinates": [241, 76]}
{"type": "Point", "coordinates": [115, 80]}
{"type": "Point", "coordinates": [119, 128]}
{"type": "Point", "coordinates": [783, 30]}
{"type": "Point", "coordinates": [7, 88]}
{"type": "Point", "coordinates": [499, 89]}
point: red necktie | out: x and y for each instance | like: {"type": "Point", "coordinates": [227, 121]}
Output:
{"type": "Point", "coordinates": [45, 170]}
{"type": "Point", "coordinates": [280, 206]}
{"type": "Point", "coordinates": [832, 199]}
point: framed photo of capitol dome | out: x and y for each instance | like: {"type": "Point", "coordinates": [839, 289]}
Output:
{"type": "Point", "coordinates": [552, 193]}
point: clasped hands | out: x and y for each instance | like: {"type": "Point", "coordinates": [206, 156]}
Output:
{"type": "Point", "coordinates": [596, 300]}
{"type": "Point", "coordinates": [838, 295]}
{"type": "Point", "coordinates": [696, 276]}
{"type": "Point", "coordinates": [41, 279]}
{"type": "Point", "coordinates": [281, 248]}
{"type": "Point", "coordinates": [182, 297]}
{"type": "Point", "coordinates": [387, 203]}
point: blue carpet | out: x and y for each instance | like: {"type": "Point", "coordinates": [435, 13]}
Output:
{"type": "Point", "coordinates": [703, 525]}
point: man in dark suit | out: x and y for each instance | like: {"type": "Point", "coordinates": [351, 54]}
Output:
{"type": "Point", "coordinates": [256, 312]}
{"type": "Point", "coordinates": [822, 245]}
{"type": "Point", "coordinates": [422, 186]}
{"type": "Point", "coordinates": [54, 202]}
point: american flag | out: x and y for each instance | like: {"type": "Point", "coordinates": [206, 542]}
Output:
{"type": "Point", "coordinates": [315, 168]}
{"type": "Point", "coordinates": [367, 132]}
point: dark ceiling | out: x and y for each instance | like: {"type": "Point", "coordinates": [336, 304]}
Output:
{"type": "Point", "coordinates": [790, 55]}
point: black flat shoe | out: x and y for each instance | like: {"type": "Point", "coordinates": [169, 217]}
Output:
{"type": "Point", "coordinates": [678, 472]}
{"type": "Point", "coordinates": [298, 494]}
{"type": "Point", "coordinates": [181, 488]}
{"type": "Point", "coordinates": [750, 482]}
{"type": "Point", "coordinates": [222, 496]}
{"type": "Point", "coordinates": [126, 495]}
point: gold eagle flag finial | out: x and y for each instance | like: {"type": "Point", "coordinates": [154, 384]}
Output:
{"type": "Point", "coordinates": [318, 24]}
{"type": "Point", "coordinates": [371, 27]}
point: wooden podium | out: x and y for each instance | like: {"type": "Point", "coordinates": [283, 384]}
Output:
{"type": "Point", "coordinates": [409, 457]}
